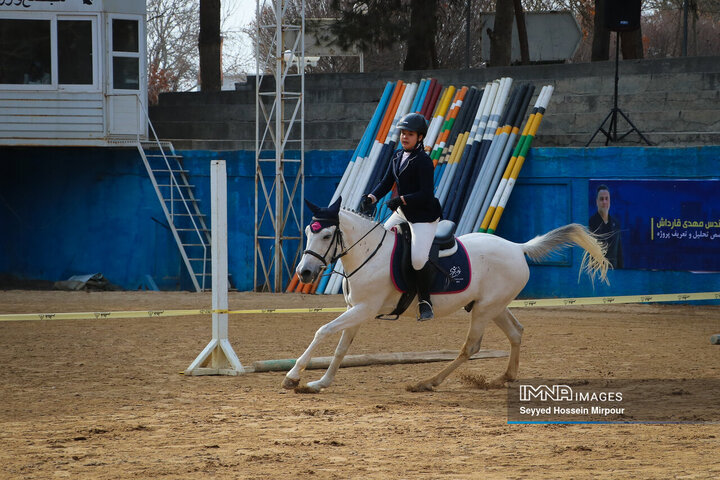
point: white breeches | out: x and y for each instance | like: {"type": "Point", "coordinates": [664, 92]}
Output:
{"type": "Point", "coordinates": [422, 237]}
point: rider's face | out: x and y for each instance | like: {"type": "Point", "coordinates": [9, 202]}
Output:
{"type": "Point", "coordinates": [408, 139]}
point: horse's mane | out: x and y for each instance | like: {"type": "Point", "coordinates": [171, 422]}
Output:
{"type": "Point", "coordinates": [359, 214]}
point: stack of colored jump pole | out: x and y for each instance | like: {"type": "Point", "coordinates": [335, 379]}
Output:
{"type": "Point", "coordinates": [473, 141]}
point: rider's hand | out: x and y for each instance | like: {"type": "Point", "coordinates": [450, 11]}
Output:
{"type": "Point", "coordinates": [394, 203]}
{"type": "Point", "coordinates": [366, 205]}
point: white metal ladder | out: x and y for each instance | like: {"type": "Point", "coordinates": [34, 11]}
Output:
{"type": "Point", "coordinates": [180, 206]}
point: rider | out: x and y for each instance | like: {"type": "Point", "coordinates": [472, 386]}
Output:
{"type": "Point", "coordinates": [412, 171]}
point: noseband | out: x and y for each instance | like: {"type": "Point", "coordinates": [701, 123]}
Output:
{"type": "Point", "coordinates": [337, 239]}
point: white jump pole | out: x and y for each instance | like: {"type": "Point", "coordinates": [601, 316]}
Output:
{"type": "Point", "coordinates": [218, 358]}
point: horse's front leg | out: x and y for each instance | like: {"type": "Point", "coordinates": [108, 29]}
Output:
{"type": "Point", "coordinates": [345, 341]}
{"type": "Point", "coordinates": [351, 318]}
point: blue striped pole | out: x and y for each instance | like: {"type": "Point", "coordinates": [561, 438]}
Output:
{"type": "Point", "coordinates": [367, 138]}
{"type": "Point", "coordinates": [461, 134]}
{"type": "Point", "coordinates": [449, 172]}
{"type": "Point", "coordinates": [497, 176]}
{"type": "Point", "coordinates": [462, 177]}
{"type": "Point", "coordinates": [480, 180]}
{"type": "Point", "coordinates": [476, 165]}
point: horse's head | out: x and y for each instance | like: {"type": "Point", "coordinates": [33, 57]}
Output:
{"type": "Point", "coordinates": [323, 235]}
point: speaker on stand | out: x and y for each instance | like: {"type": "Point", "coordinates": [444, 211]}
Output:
{"type": "Point", "coordinates": [620, 16]}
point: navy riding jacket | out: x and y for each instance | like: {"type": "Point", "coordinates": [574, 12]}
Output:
{"type": "Point", "coordinates": [415, 182]}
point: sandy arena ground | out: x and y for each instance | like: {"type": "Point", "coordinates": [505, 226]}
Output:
{"type": "Point", "coordinates": [104, 399]}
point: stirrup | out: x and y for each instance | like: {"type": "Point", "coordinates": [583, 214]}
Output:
{"type": "Point", "coordinates": [427, 314]}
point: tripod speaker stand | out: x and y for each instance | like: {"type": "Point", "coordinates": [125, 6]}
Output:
{"type": "Point", "coordinates": [611, 134]}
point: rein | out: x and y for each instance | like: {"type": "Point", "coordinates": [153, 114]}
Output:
{"type": "Point", "coordinates": [342, 254]}
{"type": "Point", "coordinates": [337, 239]}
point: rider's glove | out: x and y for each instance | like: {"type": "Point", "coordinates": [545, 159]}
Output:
{"type": "Point", "coordinates": [366, 206]}
{"type": "Point", "coordinates": [394, 203]}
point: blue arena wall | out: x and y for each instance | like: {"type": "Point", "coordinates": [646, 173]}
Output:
{"type": "Point", "coordinates": [553, 189]}
{"type": "Point", "coordinates": [67, 211]}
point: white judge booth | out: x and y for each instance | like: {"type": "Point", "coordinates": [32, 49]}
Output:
{"type": "Point", "coordinates": [72, 72]}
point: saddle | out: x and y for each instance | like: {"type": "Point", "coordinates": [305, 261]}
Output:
{"type": "Point", "coordinates": [447, 256]}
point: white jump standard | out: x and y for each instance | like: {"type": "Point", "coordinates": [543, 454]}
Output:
{"type": "Point", "coordinates": [218, 357]}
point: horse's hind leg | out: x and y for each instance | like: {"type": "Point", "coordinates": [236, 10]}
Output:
{"type": "Point", "coordinates": [345, 340]}
{"type": "Point", "coordinates": [478, 322]}
{"type": "Point", "coordinates": [514, 330]}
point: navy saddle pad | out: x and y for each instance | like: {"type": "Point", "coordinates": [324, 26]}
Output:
{"type": "Point", "coordinates": [455, 277]}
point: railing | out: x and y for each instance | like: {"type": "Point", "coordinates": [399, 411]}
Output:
{"type": "Point", "coordinates": [170, 214]}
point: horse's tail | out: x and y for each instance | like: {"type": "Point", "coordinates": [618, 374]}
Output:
{"type": "Point", "coordinates": [593, 261]}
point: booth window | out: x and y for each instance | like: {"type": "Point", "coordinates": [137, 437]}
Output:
{"type": "Point", "coordinates": [126, 54]}
{"type": "Point", "coordinates": [75, 55]}
{"type": "Point", "coordinates": [25, 53]}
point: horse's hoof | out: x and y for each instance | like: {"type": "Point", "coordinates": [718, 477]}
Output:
{"type": "Point", "coordinates": [500, 382]}
{"type": "Point", "coordinates": [482, 383]}
{"type": "Point", "coordinates": [289, 383]}
{"type": "Point", "coordinates": [307, 389]}
{"type": "Point", "coordinates": [315, 386]}
{"type": "Point", "coordinates": [420, 387]}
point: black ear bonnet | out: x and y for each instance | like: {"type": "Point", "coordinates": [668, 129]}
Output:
{"type": "Point", "coordinates": [324, 217]}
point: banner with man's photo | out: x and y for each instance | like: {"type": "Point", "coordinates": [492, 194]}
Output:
{"type": "Point", "coordinates": [665, 224]}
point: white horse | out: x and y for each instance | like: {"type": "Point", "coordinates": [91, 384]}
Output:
{"type": "Point", "coordinates": [499, 273]}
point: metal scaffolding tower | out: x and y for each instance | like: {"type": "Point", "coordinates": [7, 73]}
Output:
{"type": "Point", "coordinates": [279, 143]}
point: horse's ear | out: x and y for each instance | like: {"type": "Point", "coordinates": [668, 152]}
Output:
{"type": "Point", "coordinates": [313, 208]}
{"type": "Point", "coordinates": [335, 207]}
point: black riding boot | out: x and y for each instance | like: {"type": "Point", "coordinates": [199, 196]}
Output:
{"type": "Point", "coordinates": [424, 281]}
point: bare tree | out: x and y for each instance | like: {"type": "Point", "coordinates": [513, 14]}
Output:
{"type": "Point", "coordinates": [663, 25]}
{"type": "Point", "coordinates": [631, 44]}
{"type": "Point", "coordinates": [522, 32]}
{"type": "Point", "coordinates": [385, 56]}
{"type": "Point", "coordinates": [209, 45]}
{"type": "Point", "coordinates": [661, 18]}
{"type": "Point", "coordinates": [238, 51]}
{"type": "Point", "coordinates": [172, 32]}
{"type": "Point", "coordinates": [601, 34]}
{"type": "Point", "coordinates": [661, 32]}
{"type": "Point", "coordinates": [450, 37]}
{"type": "Point", "coordinates": [409, 25]}
{"type": "Point", "coordinates": [387, 49]}
{"type": "Point", "coordinates": [501, 34]}
{"type": "Point", "coordinates": [421, 51]}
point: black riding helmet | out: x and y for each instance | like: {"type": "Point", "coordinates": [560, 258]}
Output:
{"type": "Point", "coordinates": [413, 122]}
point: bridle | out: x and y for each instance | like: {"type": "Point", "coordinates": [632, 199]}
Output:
{"type": "Point", "coordinates": [337, 240]}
